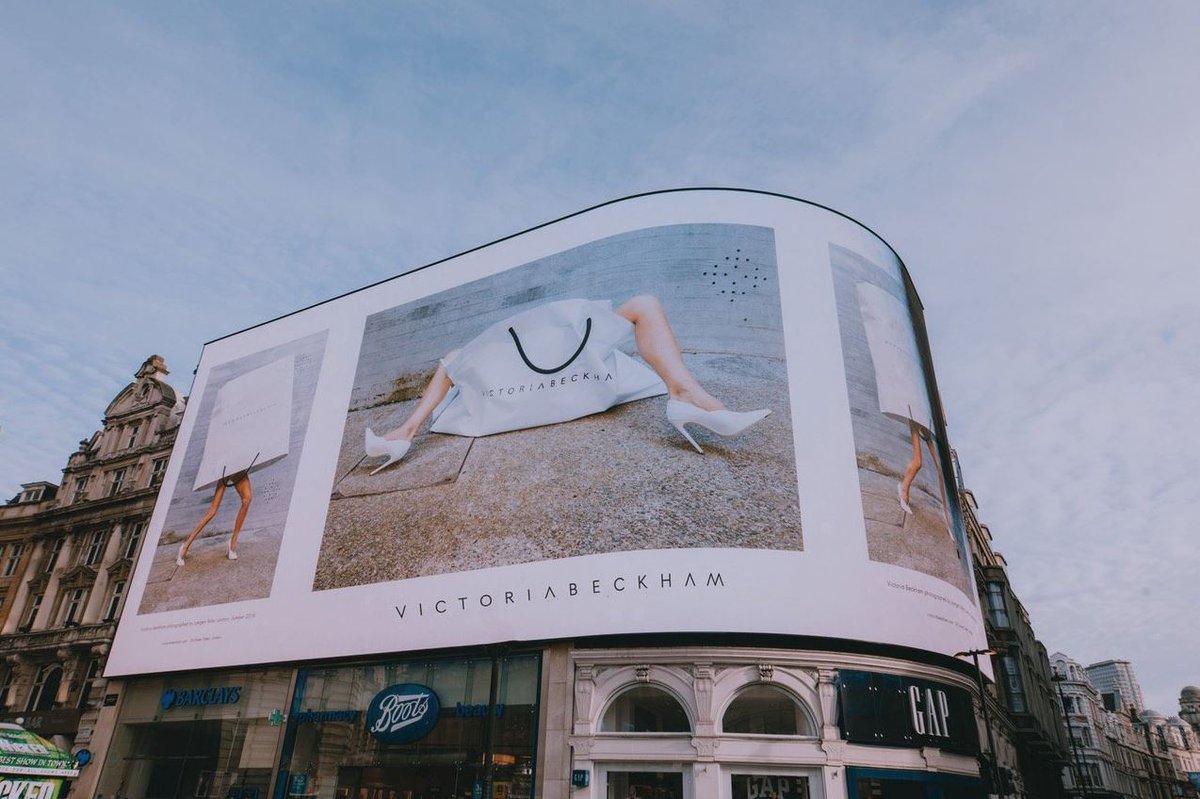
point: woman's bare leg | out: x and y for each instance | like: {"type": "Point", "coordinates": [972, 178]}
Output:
{"type": "Point", "coordinates": [435, 391]}
{"type": "Point", "coordinates": [242, 487]}
{"type": "Point", "coordinates": [208, 517]}
{"type": "Point", "coordinates": [914, 466]}
{"type": "Point", "coordinates": [937, 465]}
{"type": "Point", "coordinates": [657, 344]}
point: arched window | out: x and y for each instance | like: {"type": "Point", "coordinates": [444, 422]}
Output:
{"type": "Point", "coordinates": [765, 710]}
{"type": "Point", "coordinates": [645, 709]}
{"type": "Point", "coordinates": [45, 688]}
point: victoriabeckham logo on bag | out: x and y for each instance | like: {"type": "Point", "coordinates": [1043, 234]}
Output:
{"type": "Point", "coordinates": [587, 332]}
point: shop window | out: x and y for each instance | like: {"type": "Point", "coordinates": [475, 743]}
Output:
{"type": "Point", "coordinates": [13, 559]}
{"type": "Point", "coordinates": [486, 717]}
{"type": "Point", "coordinates": [645, 709]}
{"type": "Point", "coordinates": [761, 786]}
{"type": "Point", "coordinates": [765, 710]}
{"type": "Point", "coordinates": [45, 688]}
{"type": "Point", "coordinates": [645, 784]}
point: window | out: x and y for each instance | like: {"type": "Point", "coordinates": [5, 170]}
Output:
{"type": "Point", "coordinates": [113, 608]}
{"type": "Point", "coordinates": [116, 480]}
{"type": "Point", "coordinates": [73, 607]}
{"type": "Point", "coordinates": [81, 488]}
{"type": "Point", "coordinates": [997, 608]}
{"type": "Point", "coordinates": [764, 710]}
{"type": "Point", "coordinates": [645, 709]}
{"type": "Point", "coordinates": [45, 688]}
{"type": "Point", "coordinates": [1081, 736]}
{"type": "Point", "coordinates": [95, 547]}
{"type": "Point", "coordinates": [52, 554]}
{"type": "Point", "coordinates": [89, 682]}
{"type": "Point", "coordinates": [133, 538]}
{"type": "Point", "coordinates": [1014, 687]}
{"type": "Point", "coordinates": [35, 604]}
{"type": "Point", "coordinates": [131, 441]}
{"type": "Point", "coordinates": [6, 687]}
{"type": "Point", "coordinates": [13, 560]}
{"type": "Point", "coordinates": [1090, 775]}
{"type": "Point", "coordinates": [31, 494]}
{"type": "Point", "coordinates": [158, 470]}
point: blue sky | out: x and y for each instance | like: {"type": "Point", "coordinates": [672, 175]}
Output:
{"type": "Point", "coordinates": [172, 173]}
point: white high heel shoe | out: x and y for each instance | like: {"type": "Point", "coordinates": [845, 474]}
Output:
{"type": "Point", "coordinates": [179, 557]}
{"type": "Point", "coordinates": [231, 554]}
{"type": "Point", "coordinates": [378, 446]}
{"type": "Point", "coordinates": [904, 503]}
{"type": "Point", "coordinates": [723, 423]}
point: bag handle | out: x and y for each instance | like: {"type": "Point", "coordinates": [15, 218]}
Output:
{"type": "Point", "coordinates": [521, 351]}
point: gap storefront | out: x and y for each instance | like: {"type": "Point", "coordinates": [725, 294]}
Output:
{"type": "Point", "coordinates": [413, 729]}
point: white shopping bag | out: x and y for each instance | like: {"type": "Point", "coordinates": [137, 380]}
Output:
{"type": "Point", "coordinates": [251, 423]}
{"type": "Point", "coordinates": [898, 374]}
{"type": "Point", "coordinates": [553, 363]}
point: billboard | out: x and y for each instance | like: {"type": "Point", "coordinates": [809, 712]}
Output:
{"type": "Point", "coordinates": [691, 411]}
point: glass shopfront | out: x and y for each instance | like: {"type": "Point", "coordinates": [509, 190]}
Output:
{"type": "Point", "coordinates": [212, 734]}
{"type": "Point", "coordinates": [361, 732]}
{"type": "Point", "coordinates": [893, 784]}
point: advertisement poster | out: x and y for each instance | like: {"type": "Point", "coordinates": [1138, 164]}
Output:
{"type": "Point", "coordinates": [693, 411]}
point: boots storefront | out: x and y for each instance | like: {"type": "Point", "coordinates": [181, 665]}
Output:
{"type": "Point", "coordinates": [415, 729]}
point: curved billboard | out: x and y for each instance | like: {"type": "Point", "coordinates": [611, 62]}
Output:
{"type": "Point", "coordinates": [689, 411]}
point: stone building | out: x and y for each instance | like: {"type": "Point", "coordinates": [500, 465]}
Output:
{"type": "Point", "coordinates": [1122, 753]}
{"type": "Point", "coordinates": [66, 555]}
{"type": "Point", "coordinates": [1025, 712]}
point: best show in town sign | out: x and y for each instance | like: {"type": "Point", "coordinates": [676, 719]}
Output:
{"type": "Point", "coordinates": [527, 442]}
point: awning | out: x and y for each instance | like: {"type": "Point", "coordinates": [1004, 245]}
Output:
{"type": "Point", "coordinates": [26, 753]}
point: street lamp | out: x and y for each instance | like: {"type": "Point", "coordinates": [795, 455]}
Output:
{"type": "Point", "coordinates": [1059, 678]}
{"type": "Point", "coordinates": [987, 721]}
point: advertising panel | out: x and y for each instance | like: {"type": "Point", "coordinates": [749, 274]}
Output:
{"type": "Point", "coordinates": [706, 411]}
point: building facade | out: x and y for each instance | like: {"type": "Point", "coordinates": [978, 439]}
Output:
{"type": "Point", "coordinates": [1023, 693]}
{"type": "Point", "coordinates": [67, 554]}
{"type": "Point", "coordinates": [1118, 685]}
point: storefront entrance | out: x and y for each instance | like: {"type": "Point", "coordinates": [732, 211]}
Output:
{"type": "Point", "coordinates": [426, 781]}
{"type": "Point", "coordinates": [889, 784]}
{"type": "Point", "coordinates": [476, 722]}
{"type": "Point", "coordinates": [645, 785]}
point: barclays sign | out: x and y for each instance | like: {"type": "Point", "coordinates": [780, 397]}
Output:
{"type": "Point", "coordinates": [403, 713]}
{"type": "Point", "coordinates": [200, 697]}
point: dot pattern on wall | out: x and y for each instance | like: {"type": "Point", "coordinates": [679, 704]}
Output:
{"type": "Point", "coordinates": [734, 277]}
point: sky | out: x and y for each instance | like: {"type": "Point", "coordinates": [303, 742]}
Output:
{"type": "Point", "coordinates": [172, 173]}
